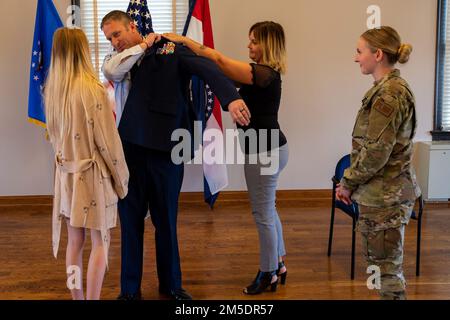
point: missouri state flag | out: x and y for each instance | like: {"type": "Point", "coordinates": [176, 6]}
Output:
{"type": "Point", "coordinates": [199, 28]}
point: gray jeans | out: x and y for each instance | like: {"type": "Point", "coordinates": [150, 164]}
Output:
{"type": "Point", "coordinates": [262, 192]}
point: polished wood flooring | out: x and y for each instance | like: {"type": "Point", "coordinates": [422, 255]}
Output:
{"type": "Point", "coordinates": [219, 254]}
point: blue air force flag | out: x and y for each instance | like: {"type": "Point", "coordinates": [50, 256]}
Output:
{"type": "Point", "coordinates": [47, 21]}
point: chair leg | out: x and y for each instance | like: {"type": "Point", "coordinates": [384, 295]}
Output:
{"type": "Point", "coordinates": [333, 207]}
{"type": "Point", "coordinates": [352, 272]}
{"type": "Point", "coordinates": [419, 235]}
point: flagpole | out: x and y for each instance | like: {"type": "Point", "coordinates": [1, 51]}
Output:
{"type": "Point", "coordinates": [174, 16]}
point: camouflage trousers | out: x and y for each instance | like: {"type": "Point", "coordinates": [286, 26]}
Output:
{"type": "Point", "coordinates": [383, 231]}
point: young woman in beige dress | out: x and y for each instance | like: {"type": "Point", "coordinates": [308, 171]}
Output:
{"type": "Point", "coordinates": [91, 172]}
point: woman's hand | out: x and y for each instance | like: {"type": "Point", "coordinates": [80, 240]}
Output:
{"type": "Point", "coordinates": [239, 112]}
{"type": "Point", "coordinates": [151, 39]}
{"type": "Point", "coordinates": [343, 194]}
{"type": "Point", "coordinates": [174, 37]}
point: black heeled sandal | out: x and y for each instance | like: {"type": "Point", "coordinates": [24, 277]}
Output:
{"type": "Point", "coordinates": [262, 281]}
{"type": "Point", "coordinates": [283, 275]}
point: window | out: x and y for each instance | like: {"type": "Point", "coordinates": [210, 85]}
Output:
{"type": "Point", "coordinates": [167, 16]}
{"type": "Point", "coordinates": [442, 100]}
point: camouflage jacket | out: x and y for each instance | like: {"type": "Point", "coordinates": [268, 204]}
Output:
{"type": "Point", "coordinates": [381, 174]}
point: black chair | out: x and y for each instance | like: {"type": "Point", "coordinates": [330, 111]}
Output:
{"type": "Point", "coordinates": [353, 212]}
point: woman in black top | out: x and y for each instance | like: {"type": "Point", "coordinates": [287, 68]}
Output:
{"type": "Point", "coordinates": [264, 143]}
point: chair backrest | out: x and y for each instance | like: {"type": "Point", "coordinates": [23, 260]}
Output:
{"type": "Point", "coordinates": [342, 164]}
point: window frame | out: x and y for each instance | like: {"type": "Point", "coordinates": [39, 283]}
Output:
{"type": "Point", "coordinates": [438, 134]}
{"type": "Point", "coordinates": [175, 27]}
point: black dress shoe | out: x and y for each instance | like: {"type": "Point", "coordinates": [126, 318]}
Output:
{"type": "Point", "coordinates": [130, 296]}
{"type": "Point", "coordinates": [176, 294]}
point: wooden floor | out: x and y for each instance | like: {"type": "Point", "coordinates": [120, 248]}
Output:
{"type": "Point", "coordinates": [219, 254]}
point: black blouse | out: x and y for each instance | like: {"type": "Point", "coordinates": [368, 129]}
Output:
{"type": "Point", "coordinates": [263, 99]}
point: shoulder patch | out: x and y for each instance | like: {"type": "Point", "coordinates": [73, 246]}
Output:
{"type": "Point", "coordinates": [384, 108]}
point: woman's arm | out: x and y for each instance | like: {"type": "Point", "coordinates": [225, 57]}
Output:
{"type": "Point", "coordinates": [116, 65]}
{"type": "Point", "coordinates": [107, 140]}
{"type": "Point", "coordinates": [235, 70]}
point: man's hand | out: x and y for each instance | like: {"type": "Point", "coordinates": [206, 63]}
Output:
{"type": "Point", "coordinates": [151, 39]}
{"type": "Point", "coordinates": [239, 112]}
{"type": "Point", "coordinates": [343, 194]}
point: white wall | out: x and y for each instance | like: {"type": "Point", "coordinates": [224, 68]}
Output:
{"type": "Point", "coordinates": [25, 156]}
{"type": "Point", "coordinates": [322, 90]}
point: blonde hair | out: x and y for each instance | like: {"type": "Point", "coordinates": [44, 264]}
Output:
{"type": "Point", "coordinates": [71, 80]}
{"type": "Point", "coordinates": [388, 40]}
{"type": "Point", "coordinates": [270, 35]}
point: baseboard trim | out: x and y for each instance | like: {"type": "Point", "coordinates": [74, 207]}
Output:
{"type": "Point", "coordinates": [302, 198]}
{"type": "Point", "coordinates": [317, 198]}
{"type": "Point", "coordinates": [13, 201]}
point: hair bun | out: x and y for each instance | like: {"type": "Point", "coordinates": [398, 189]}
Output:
{"type": "Point", "coordinates": [404, 52]}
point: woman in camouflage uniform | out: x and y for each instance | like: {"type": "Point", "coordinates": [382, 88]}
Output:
{"type": "Point", "coordinates": [381, 178]}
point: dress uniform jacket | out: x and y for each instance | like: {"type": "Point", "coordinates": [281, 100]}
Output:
{"type": "Point", "coordinates": [150, 116]}
{"type": "Point", "coordinates": [91, 172]}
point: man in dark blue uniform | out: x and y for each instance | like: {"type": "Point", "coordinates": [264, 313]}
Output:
{"type": "Point", "coordinates": [157, 104]}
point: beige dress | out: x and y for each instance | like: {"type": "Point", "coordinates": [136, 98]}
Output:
{"type": "Point", "coordinates": [91, 172]}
